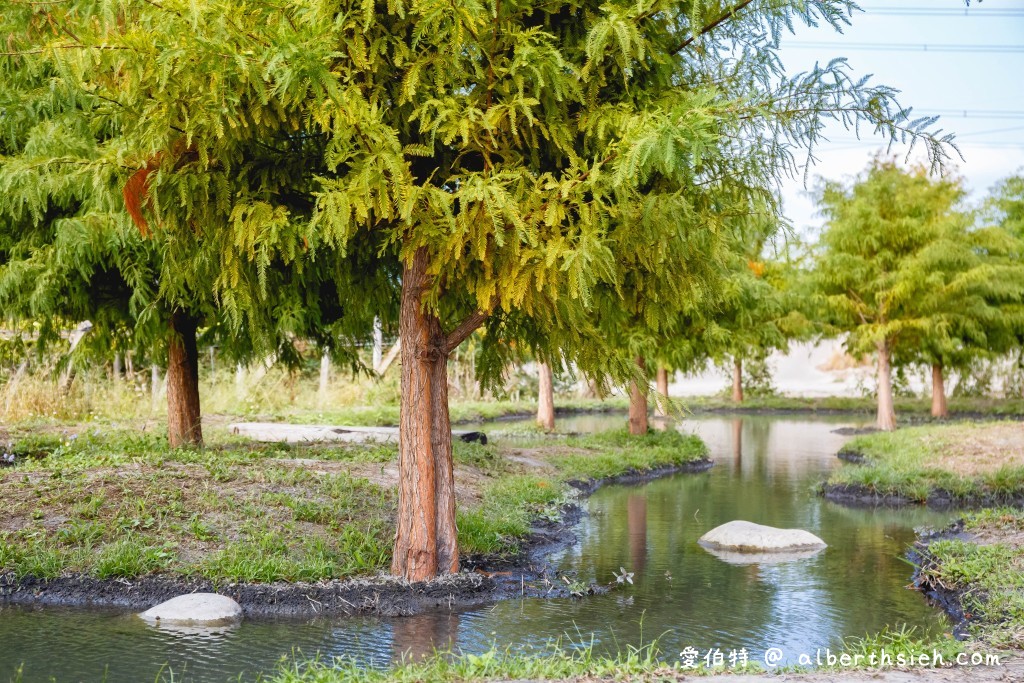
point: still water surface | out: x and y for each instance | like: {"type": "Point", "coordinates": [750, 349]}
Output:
{"type": "Point", "coordinates": [765, 472]}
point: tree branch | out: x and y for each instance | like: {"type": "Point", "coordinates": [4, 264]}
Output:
{"type": "Point", "coordinates": [714, 24]}
{"type": "Point", "coordinates": [464, 329]}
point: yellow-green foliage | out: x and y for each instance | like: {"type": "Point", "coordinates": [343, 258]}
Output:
{"type": "Point", "coordinates": [901, 262]}
{"type": "Point", "coordinates": [552, 160]}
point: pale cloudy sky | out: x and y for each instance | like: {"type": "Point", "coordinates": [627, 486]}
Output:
{"type": "Point", "coordinates": [972, 74]}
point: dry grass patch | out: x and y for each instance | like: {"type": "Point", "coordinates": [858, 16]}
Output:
{"type": "Point", "coordinates": [972, 450]}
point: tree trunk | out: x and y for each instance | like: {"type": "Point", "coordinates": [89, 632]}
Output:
{"type": "Point", "coordinates": [939, 408]}
{"type": "Point", "coordinates": [68, 377]}
{"type": "Point", "coordinates": [886, 411]}
{"type": "Point", "coordinates": [545, 398]}
{"type": "Point", "coordinates": [184, 419]}
{"type": "Point", "coordinates": [118, 367]}
{"type": "Point", "coordinates": [638, 403]}
{"type": "Point", "coordinates": [425, 541]}
{"type": "Point", "coordinates": [661, 407]}
{"type": "Point", "coordinates": [240, 388]}
{"type": "Point", "coordinates": [378, 343]}
{"type": "Point", "coordinates": [154, 387]}
{"type": "Point", "coordinates": [325, 378]}
{"type": "Point", "coordinates": [737, 380]}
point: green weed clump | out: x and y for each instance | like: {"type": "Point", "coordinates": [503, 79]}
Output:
{"type": "Point", "coordinates": [553, 662]}
{"type": "Point", "coordinates": [986, 574]}
{"type": "Point", "coordinates": [900, 643]}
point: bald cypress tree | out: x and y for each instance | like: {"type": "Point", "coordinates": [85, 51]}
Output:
{"type": "Point", "coordinates": [86, 235]}
{"type": "Point", "coordinates": [903, 272]}
{"type": "Point", "coordinates": [509, 159]}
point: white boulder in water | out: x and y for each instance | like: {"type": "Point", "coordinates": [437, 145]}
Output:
{"type": "Point", "coordinates": [195, 608]}
{"type": "Point", "coordinates": [747, 537]}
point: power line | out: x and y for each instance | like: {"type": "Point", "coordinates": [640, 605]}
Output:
{"type": "Point", "coordinates": [972, 113]}
{"type": "Point", "coordinates": [991, 13]}
{"type": "Point", "coordinates": [906, 47]}
{"type": "Point", "coordinates": [852, 143]}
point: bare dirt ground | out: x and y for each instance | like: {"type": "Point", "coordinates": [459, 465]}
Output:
{"type": "Point", "coordinates": [982, 449]}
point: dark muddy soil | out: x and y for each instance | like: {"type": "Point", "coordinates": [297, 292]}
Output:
{"type": "Point", "coordinates": [851, 456]}
{"type": "Point", "coordinates": [950, 600]}
{"type": "Point", "coordinates": [483, 579]}
{"type": "Point", "coordinates": [856, 495]}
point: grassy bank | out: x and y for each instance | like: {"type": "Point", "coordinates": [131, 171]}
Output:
{"type": "Point", "coordinates": [959, 463]}
{"type": "Point", "coordinates": [582, 663]}
{"type": "Point", "coordinates": [918, 409]}
{"type": "Point", "coordinates": [984, 573]}
{"type": "Point", "coordinates": [122, 505]}
{"type": "Point", "coordinates": [556, 663]}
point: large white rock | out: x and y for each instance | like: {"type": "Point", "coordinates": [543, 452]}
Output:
{"type": "Point", "coordinates": [740, 536]}
{"type": "Point", "coordinates": [195, 608]}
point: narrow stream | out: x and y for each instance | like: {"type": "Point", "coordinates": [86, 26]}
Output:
{"type": "Point", "coordinates": [765, 472]}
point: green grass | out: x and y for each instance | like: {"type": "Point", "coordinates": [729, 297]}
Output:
{"type": "Point", "coordinates": [581, 662]}
{"type": "Point", "coordinates": [509, 505]}
{"type": "Point", "coordinates": [990, 575]}
{"type": "Point", "coordinates": [903, 463]}
{"type": "Point", "coordinates": [553, 662]}
{"type": "Point", "coordinates": [118, 504]}
{"type": "Point", "coordinates": [897, 643]}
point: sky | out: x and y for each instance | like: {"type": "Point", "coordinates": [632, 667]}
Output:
{"type": "Point", "coordinates": [972, 74]}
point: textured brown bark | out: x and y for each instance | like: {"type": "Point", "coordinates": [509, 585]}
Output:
{"type": "Point", "coordinates": [545, 398]}
{"type": "Point", "coordinates": [661, 407]}
{"type": "Point", "coordinates": [886, 411]}
{"type": "Point", "coordinates": [184, 417]}
{"type": "Point", "coordinates": [638, 403]}
{"type": "Point", "coordinates": [426, 538]}
{"type": "Point", "coordinates": [444, 470]}
{"type": "Point", "coordinates": [939, 408]}
{"type": "Point", "coordinates": [325, 379]}
{"type": "Point", "coordinates": [737, 380]}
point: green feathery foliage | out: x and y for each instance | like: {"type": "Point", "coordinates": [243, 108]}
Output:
{"type": "Point", "coordinates": [899, 262]}
{"type": "Point", "coordinates": [1005, 205]}
{"type": "Point", "coordinates": [536, 151]}
{"type": "Point", "coordinates": [212, 244]}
